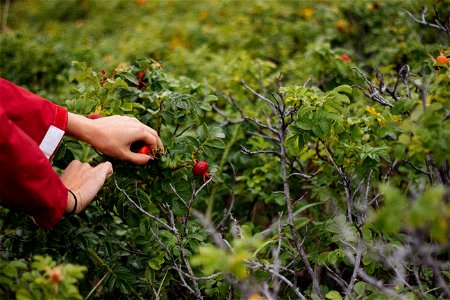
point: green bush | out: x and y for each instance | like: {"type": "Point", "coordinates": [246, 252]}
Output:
{"type": "Point", "coordinates": [325, 126]}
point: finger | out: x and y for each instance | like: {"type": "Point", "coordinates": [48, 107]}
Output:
{"type": "Point", "coordinates": [152, 139]}
{"type": "Point", "coordinates": [158, 139]}
{"type": "Point", "coordinates": [74, 164]}
{"type": "Point", "coordinates": [139, 159]}
{"type": "Point", "coordinates": [105, 169]}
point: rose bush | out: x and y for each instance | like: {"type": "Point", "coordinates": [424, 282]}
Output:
{"type": "Point", "coordinates": [324, 127]}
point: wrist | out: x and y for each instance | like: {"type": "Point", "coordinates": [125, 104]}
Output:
{"type": "Point", "coordinates": [72, 203]}
{"type": "Point", "coordinates": [80, 128]}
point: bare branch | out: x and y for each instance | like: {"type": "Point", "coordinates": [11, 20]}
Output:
{"type": "Point", "coordinates": [344, 181]}
{"type": "Point", "coordinates": [227, 120]}
{"type": "Point", "coordinates": [228, 211]}
{"type": "Point", "coordinates": [265, 136]}
{"type": "Point", "coordinates": [306, 176]}
{"type": "Point", "coordinates": [155, 218]}
{"type": "Point", "coordinates": [245, 117]}
{"type": "Point", "coordinates": [357, 264]}
{"type": "Point", "coordinates": [257, 265]}
{"type": "Point", "coordinates": [272, 106]}
{"type": "Point", "coordinates": [380, 285]}
{"type": "Point", "coordinates": [248, 152]}
{"type": "Point", "coordinates": [217, 238]}
{"type": "Point", "coordinates": [437, 25]}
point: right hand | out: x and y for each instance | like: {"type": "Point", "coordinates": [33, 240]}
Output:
{"type": "Point", "coordinates": [114, 135]}
{"type": "Point", "coordinates": [84, 181]}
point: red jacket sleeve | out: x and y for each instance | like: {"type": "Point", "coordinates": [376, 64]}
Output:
{"type": "Point", "coordinates": [30, 131]}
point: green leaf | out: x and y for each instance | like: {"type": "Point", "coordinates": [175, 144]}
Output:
{"type": "Point", "coordinates": [295, 143]}
{"type": "Point", "coordinates": [333, 295]}
{"type": "Point", "coordinates": [130, 77]}
{"type": "Point", "coordinates": [344, 89]}
{"type": "Point", "coordinates": [202, 132]}
{"type": "Point", "coordinates": [10, 270]}
{"type": "Point", "coordinates": [156, 262]}
{"type": "Point", "coordinates": [128, 106]}
{"type": "Point", "coordinates": [216, 132]}
{"type": "Point", "coordinates": [360, 287]}
{"type": "Point", "coordinates": [216, 143]}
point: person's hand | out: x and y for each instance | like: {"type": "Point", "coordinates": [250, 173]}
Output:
{"type": "Point", "coordinates": [114, 135]}
{"type": "Point", "coordinates": [84, 181]}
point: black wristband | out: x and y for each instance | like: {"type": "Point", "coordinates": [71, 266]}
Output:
{"type": "Point", "coordinates": [76, 203]}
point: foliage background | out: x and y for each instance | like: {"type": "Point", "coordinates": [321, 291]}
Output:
{"type": "Point", "coordinates": [367, 183]}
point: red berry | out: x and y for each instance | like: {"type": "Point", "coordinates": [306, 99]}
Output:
{"type": "Point", "coordinates": [200, 168]}
{"type": "Point", "coordinates": [144, 150]}
{"type": "Point", "coordinates": [345, 57]}
{"type": "Point", "coordinates": [55, 275]}
{"type": "Point", "coordinates": [442, 59]}
{"type": "Point", "coordinates": [94, 116]}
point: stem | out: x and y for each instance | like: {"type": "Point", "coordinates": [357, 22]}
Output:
{"type": "Point", "coordinates": [5, 16]}
{"type": "Point", "coordinates": [287, 196]}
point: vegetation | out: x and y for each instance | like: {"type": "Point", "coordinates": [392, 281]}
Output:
{"type": "Point", "coordinates": [324, 126]}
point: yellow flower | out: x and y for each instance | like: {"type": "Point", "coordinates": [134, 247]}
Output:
{"type": "Point", "coordinates": [307, 13]}
{"type": "Point", "coordinates": [372, 110]}
{"type": "Point", "coordinates": [202, 15]}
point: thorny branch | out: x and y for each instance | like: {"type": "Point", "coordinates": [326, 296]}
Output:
{"type": "Point", "coordinates": [172, 228]}
{"type": "Point", "coordinates": [438, 24]}
{"type": "Point", "coordinates": [257, 265]}
{"type": "Point", "coordinates": [227, 213]}
{"type": "Point", "coordinates": [155, 218]}
{"type": "Point", "coordinates": [281, 130]}
{"type": "Point", "coordinates": [248, 152]}
{"type": "Point", "coordinates": [345, 181]}
{"type": "Point", "coordinates": [374, 92]}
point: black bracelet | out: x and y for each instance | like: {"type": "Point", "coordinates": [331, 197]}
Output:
{"type": "Point", "coordinates": [76, 203]}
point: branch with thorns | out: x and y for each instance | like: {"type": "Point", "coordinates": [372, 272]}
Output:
{"type": "Point", "coordinates": [442, 25]}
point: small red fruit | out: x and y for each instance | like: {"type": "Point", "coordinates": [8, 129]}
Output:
{"type": "Point", "coordinates": [94, 116]}
{"type": "Point", "coordinates": [442, 59]}
{"type": "Point", "coordinates": [200, 168]}
{"type": "Point", "coordinates": [55, 275]}
{"type": "Point", "coordinates": [345, 57]}
{"type": "Point", "coordinates": [144, 150]}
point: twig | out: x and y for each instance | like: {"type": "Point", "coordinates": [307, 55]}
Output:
{"type": "Point", "coordinates": [179, 236]}
{"type": "Point", "coordinates": [5, 16]}
{"type": "Point", "coordinates": [97, 285]}
{"type": "Point", "coordinates": [272, 106]}
{"type": "Point", "coordinates": [248, 152]}
{"type": "Point", "coordinates": [245, 117]}
{"type": "Point", "coordinates": [306, 176]}
{"type": "Point", "coordinates": [257, 265]}
{"type": "Point", "coordinates": [228, 211]}
{"type": "Point", "coordinates": [423, 21]}
{"type": "Point", "coordinates": [217, 238]}
{"type": "Point", "coordinates": [265, 136]}
{"type": "Point", "coordinates": [344, 181]}
{"type": "Point", "coordinates": [380, 285]}
{"type": "Point", "coordinates": [357, 264]}
{"type": "Point", "coordinates": [276, 257]}
{"type": "Point", "coordinates": [155, 218]}
{"type": "Point", "coordinates": [374, 91]}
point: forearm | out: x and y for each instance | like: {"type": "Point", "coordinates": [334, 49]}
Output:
{"type": "Point", "coordinates": [80, 128]}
